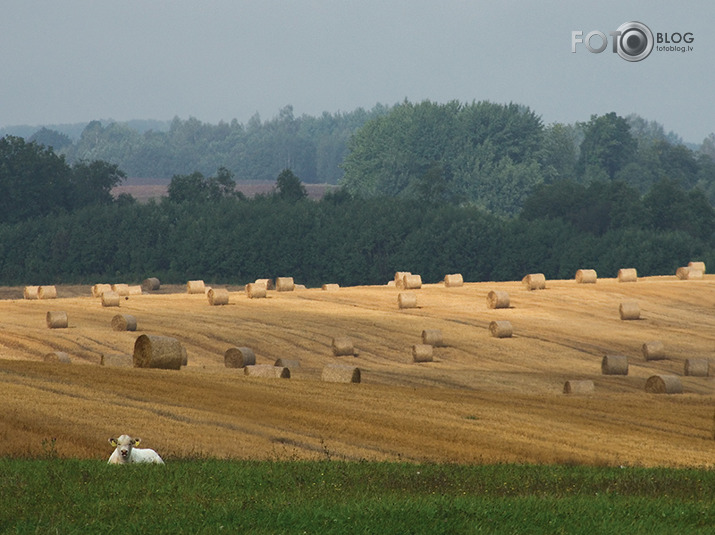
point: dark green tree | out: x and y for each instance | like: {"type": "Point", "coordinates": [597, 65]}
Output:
{"type": "Point", "coordinates": [199, 189]}
{"type": "Point", "coordinates": [289, 187]}
{"type": "Point", "coordinates": [606, 148]}
{"type": "Point", "coordinates": [92, 182]}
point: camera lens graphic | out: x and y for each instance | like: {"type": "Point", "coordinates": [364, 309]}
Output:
{"type": "Point", "coordinates": [635, 42]}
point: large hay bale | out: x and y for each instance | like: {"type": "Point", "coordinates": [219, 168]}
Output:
{"type": "Point", "coordinates": [700, 266]}
{"type": "Point", "coordinates": [343, 346]}
{"type": "Point", "coordinates": [501, 329]}
{"type": "Point", "coordinates": [121, 289]}
{"type": "Point", "coordinates": [30, 292]}
{"type": "Point", "coordinates": [654, 350]}
{"type": "Point", "coordinates": [256, 290]}
{"type": "Point", "coordinates": [629, 310]}
{"type": "Point", "coordinates": [152, 351]}
{"type": "Point", "coordinates": [151, 284]}
{"type": "Point", "coordinates": [614, 365]}
{"type": "Point", "coordinates": [664, 384]}
{"type": "Point", "coordinates": [46, 292]}
{"type": "Point", "coordinates": [688, 273]}
{"type": "Point", "coordinates": [217, 296]}
{"type": "Point", "coordinates": [586, 276]}
{"type": "Point", "coordinates": [334, 373]}
{"type": "Point", "coordinates": [195, 287]}
{"type": "Point", "coordinates": [584, 386]}
{"type": "Point", "coordinates": [57, 356]}
{"type": "Point", "coordinates": [57, 320]}
{"type": "Point", "coordinates": [406, 300]}
{"type": "Point", "coordinates": [135, 289]}
{"type": "Point", "coordinates": [99, 289]}
{"type": "Point", "coordinates": [291, 364]}
{"type": "Point", "coordinates": [497, 299]}
{"type": "Point", "coordinates": [268, 283]}
{"type": "Point", "coordinates": [422, 353]}
{"type": "Point", "coordinates": [433, 337]}
{"type": "Point", "coordinates": [627, 275]}
{"type": "Point", "coordinates": [534, 281]}
{"type": "Point", "coordinates": [330, 287]}
{"type": "Point", "coordinates": [110, 299]}
{"type": "Point", "coordinates": [267, 371]}
{"type": "Point", "coordinates": [285, 284]}
{"type": "Point", "coordinates": [455, 280]}
{"type": "Point", "coordinates": [239, 357]}
{"type": "Point", "coordinates": [116, 361]}
{"type": "Point", "coordinates": [124, 322]}
{"type": "Point", "coordinates": [697, 367]}
{"type": "Point", "coordinates": [400, 279]}
{"type": "Point", "coordinates": [412, 282]}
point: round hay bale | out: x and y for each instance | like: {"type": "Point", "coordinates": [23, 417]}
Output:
{"type": "Point", "coordinates": [422, 353]}
{"type": "Point", "coordinates": [124, 322]}
{"type": "Point", "coordinates": [135, 289]}
{"type": "Point", "coordinates": [195, 287]}
{"type": "Point", "coordinates": [412, 282]}
{"type": "Point", "coordinates": [99, 289]}
{"type": "Point", "coordinates": [501, 329]}
{"type": "Point", "coordinates": [267, 371]}
{"type": "Point", "coordinates": [268, 283]}
{"type": "Point", "coordinates": [406, 300]}
{"type": "Point", "coordinates": [391, 284]}
{"type": "Point", "coordinates": [285, 284]}
{"type": "Point", "coordinates": [627, 275]}
{"type": "Point", "coordinates": [697, 367]}
{"type": "Point", "coordinates": [586, 276]}
{"type": "Point", "coordinates": [110, 299]}
{"type": "Point", "coordinates": [217, 296]}
{"type": "Point", "coordinates": [239, 357]}
{"type": "Point", "coordinates": [165, 352]}
{"type": "Point", "coordinates": [57, 356]}
{"type": "Point", "coordinates": [31, 292]}
{"type": "Point", "coordinates": [330, 287]}
{"type": "Point", "coordinates": [584, 386]}
{"type": "Point", "coordinates": [334, 373]}
{"type": "Point", "coordinates": [534, 281]}
{"type": "Point", "coordinates": [700, 266]}
{"type": "Point", "coordinates": [256, 290]}
{"type": "Point", "coordinates": [432, 337]}
{"type": "Point", "coordinates": [47, 292]}
{"type": "Point", "coordinates": [454, 280]}
{"type": "Point", "coordinates": [654, 350]}
{"type": "Point", "coordinates": [497, 299]}
{"type": "Point", "coordinates": [151, 284]}
{"type": "Point", "coordinates": [614, 365]}
{"type": "Point", "coordinates": [121, 289]}
{"type": "Point", "coordinates": [343, 346]}
{"type": "Point", "coordinates": [664, 384]}
{"type": "Point", "coordinates": [688, 273]}
{"type": "Point", "coordinates": [629, 310]}
{"type": "Point", "coordinates": [400, 279]}
{"type": "Point", "coordinates": [291, 364]}
{"type": "Point", "coordinates": [57, 320]}
{"type": "Point", "coordinates": [116, 361]}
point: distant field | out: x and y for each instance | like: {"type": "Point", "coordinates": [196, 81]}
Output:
{"type": "Point", "coordinates": [482, 399]}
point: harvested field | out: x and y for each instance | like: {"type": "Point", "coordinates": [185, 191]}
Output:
{"type": "Point", "coordinates": [481, 400]}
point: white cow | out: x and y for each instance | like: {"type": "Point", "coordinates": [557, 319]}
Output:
{"type": "Point", "coordinates": [127, 452]}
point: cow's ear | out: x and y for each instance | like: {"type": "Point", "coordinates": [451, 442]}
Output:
{"type": "Point", "coordinates": [137, 441]}
{"type": "Point", "coordinates": [113, 442]}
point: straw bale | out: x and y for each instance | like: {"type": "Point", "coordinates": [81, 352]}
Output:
{"type": "Point", "coordinates": [689, 273]}
{"type": "Point", "coordinates": [57, 320]}
{"type": "Point", "coordinates": [664, 384]}
{"type": "Point", "coordinates": [700, 266]}
{"type": "Point", "coordinates": [57, 356]}
{"type": "Point", "coordinates": [110, 299]}
{"type": "Point", "coordinates": [653, 350]}
{"type": "Point", "coordinates": [627, 275]}
{"type": "Point", "coordinates": [268, 283]}
{"type": "Point", "coordinates": [151, 284]}
{"type": "Point", "coordinates": [116, 361]}
{"type": "Point", "coordinates": [497, 299]}
{"type": "Point", "coordinates": [454, 280]}
{"type": "Point", "coordinates": [343, 346]}
{"type": "Point", "coordinates": [614, 365]}
{"type": "Point", "coordinates": [334, 373]}
{"type": "Point", "coordinates": [422, 353]}
{"type": "Point", "coordinates": [121, 289]}
{"type": "Point", "coordinates": [46, 292]}
{"type": "Point", "coordinates": [291, 364]}
{"type": "Point", "coordinates": [584, 386]}
{"type": "Point", "coordinates": [152, 351]}
{"type": "Point", "coordinates": [501, 329]}
{"type": "Point", "coordinates": [433, 337]}
{"type": "Point", "coordinates": [135, 289]}
{"type": "Point", "coordinates": [400, 279]}
{"type": "Point", "coordinates": [586, 276]}
{"type": "Point", "coordinates": [391, 284]}
{"type": "Point", "coordinates": [239, 357]}
{"type": "Point", "coordinates": [124, 322]}
{"type": "Point", "coordinates": [267, 371]}
{"type": "Point", "coordinates": [285, 284]}
{"type": "Point", "coordinates": [217, 296]}
{"type": "Point", "coordinates": [406, 300]}
{"type": "Point", "coordinates": [299, 287]}
{"type": "Point", "coordinates": [99, 289]}
{"type": "Point", "coordinates": [330, 287]}
{"type": "Point", "coordinates": [697, 367]}
{"type": "Point", "coordinates": [256, 290]}
{"type": "Point", "coordinates": [30, 292]}
{"type": "Point", "coordinates": [629, 310]}
{"type": "Point", "coordinates": [534, 281]}
{"type": "Point", "coordinates": [412, 282]}
{"type": "Point", "coordinates": [195, 287]}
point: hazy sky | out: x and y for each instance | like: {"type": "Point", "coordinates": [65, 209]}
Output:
{"type": "Point", "coordinates": [67, 61]}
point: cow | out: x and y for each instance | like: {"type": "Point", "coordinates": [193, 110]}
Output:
{"type": "Point", "coordinates": [126, 452]}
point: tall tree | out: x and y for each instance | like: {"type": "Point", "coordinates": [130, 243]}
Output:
{"type": "Point", "coordinates": [607, 146]}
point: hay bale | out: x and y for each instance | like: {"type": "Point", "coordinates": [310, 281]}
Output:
{"type": "Point", "coordinates": [57, 320]}
{"type": "Point", "coordinates": [116, 361]}
{"type": "Point", "coordinates": [31, 292]}
{"type": "Point", "coordinates": [400, 279]}
{"type": "Point", "coordinates": [239, 357]}
{"type": "Point", "coordinates": [629, 310]}
{"type": "Point", "coordinates": [291, 364]}
{"type": "Point", "coordinates": [299, 287]}
{"type": "Point", "coordinates": [584, 386]}
{"type": "Point", "coordinates": [57, 356]}
{"type": "Point", "coordinates": [406, 300]}
{"type": "Point", "coordinates": [391, 284]}
{"type": "Point", "coordinates": [614, 365]}
{"type": "Point", "coordinates": [334, 373]}
{"type": "Point", "coordinates": [285, 284]}
{"type": "Point", "coordinates": [256, 290]}
{"type": "Point", "coordinates": [432, 337]}
{"type": "Point", "coordinates": [217, 296]}
{"type": "Point", "coordinates": [330, 287]}
{"type": "Point", "coordinates": [627, 275]}
{"type": "Point", "coordinates": [343, 346]}
{"type": "Point", "coordinates": [412, 282]}
{"type": "Point", "coordinates": [121, 289]}
{"type": "Point", "coordinates": [688, 273]}
{"type": "Point", "coordinates": [47, 292]}
{"type": "Point", "coordinates": [700, 266]}
{"type": "Point", "coordinates": [135, 289]}
{"type": "Point", "coordinates": [110, 299]}
{"type": "Point", "coordinates": [151, 284]}
{"type": "Point", "coordinates": [586, 276]}
{"type": "Point", "coordinates": [165, 352]}
{"type": "Point", "coordinates": [267, 371]}
{"type": "Point", "coordinates": [454, 280]}
{"type": "Point", "coordinates": [195, 287]}
{"type": "Point", "coordinates": [268, 283]}
{"type": "Point", "coordinates": [422, 353]}
{"type": "Point", "coordinates": [654, 350]}
{"type": "Point", "coordinates": [534, 281]}
{"type": "Point", "coordinates": [697, 367]}
{"type": "Point", "coordinates": [124, 322]}
{"type": "Point", "coordinates": [99, 289]}
{"type": "Point", "coordinates": [497, 299]}
{"type": "Point", "coordinates": [501, 329]}
{"type": "Point", "coordinates": [664, 384]}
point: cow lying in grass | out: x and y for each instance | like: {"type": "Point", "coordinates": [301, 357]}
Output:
{"type": "Point", "coordinates": [126, 452]}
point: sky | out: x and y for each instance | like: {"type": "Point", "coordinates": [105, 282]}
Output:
{"type": "Point", "coordinates": [70, 61]}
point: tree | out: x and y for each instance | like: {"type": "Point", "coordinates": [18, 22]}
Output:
{"type": "Point", "coordinates": [92, 183]}
{"type": "Point", "coordinates": [197, 188]}
{"type": "Point", "coordinates": [51, 138]}
{"type": "Point", "coordinates": [289, 187]}
{"type": "Point", "coordinates": [607, 146]}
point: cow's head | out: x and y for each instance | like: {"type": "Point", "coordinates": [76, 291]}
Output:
{"type": "Point", "coordinates": [124, 445]}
